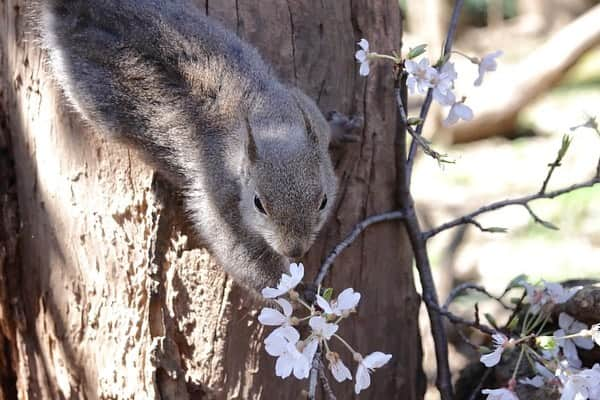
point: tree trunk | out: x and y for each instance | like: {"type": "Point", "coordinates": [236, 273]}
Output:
{"type": "Point", "coordinates": [112, 296]}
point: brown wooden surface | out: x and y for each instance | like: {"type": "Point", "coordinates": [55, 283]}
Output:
{"type": "Point", "coordinates": [114, 298]}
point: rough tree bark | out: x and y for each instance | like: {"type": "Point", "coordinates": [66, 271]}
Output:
{"type": "Point", "coordinates": [111, 296]}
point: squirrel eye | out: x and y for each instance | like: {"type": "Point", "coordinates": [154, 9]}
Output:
{"type": "Point", "coordinates": [259, 206]}
{"type": "Point", "coordinates": [323, 203]}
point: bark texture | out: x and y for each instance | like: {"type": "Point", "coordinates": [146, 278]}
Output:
{"type": "Point", "coordinates": [111, 296]}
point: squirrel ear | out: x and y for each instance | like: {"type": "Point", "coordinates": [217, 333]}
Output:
{"type": "Point", "coordinates": [251, 149]}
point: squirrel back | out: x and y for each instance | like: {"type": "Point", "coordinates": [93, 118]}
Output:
{"type": "Point", "coordinates": [249, 153]}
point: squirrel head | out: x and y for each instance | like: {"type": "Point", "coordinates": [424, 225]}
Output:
{"type": "Point", "coordinates": [289, 184]}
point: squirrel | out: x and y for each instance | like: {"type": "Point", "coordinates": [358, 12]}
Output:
{"type": "Point", "coordinates": [248, 152]}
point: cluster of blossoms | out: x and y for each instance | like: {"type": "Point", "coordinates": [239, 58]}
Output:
{"type": "Point", "coordinates": [555, 351]}
{"type": "Point", "coordinates": [439, 78]}
{"type": "Point", "coordinates": [295, 356]}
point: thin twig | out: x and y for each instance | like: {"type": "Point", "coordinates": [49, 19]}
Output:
{"type": "Point", "coordinates": [325, 382]}
{"type": "Point", "coordinates": [549, 175]}
{"type": "Point", "coordinates": [493, 229]}
{"type": "Point", "coordinates": [356, 231]}
{"type": "Point", "coordinates": [566, 142]}
{"type": "Point", "coordinates": [455, 293]}
{"type": "Point", "coordinates": [417, 138]}
{"type": "Point", "coordinates": [538, 220]}
{"type": "Point", "coordinates": [429, 97]}
{"type": "Point", "coordinates": [455, 319]}
{"type": "Point", "coordinates": [521, 201]}
{"type": "Point", "coordinates": [314, 373]}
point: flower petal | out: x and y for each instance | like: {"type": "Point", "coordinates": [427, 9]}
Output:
{"type": "Point", "coordinates": [364, 44]}
{"type": "Point", "coordinates": [324, 304]}
{"type": "Point", "coordinates": [339, 371]}
{"type": "Point", "coordinates": [364, 69]}
{"type": "Point", "coordinates": [362, 380]}
{"type": "Point", "coordinates": [286, 306]}
{"type": "Point", "coordinates": [361, 56]}
{"type": "Point", "coordinates": [271, 293]}
{"type": "Point", "coordinates": [493, 358]}
{"type": "Point", "coordinates": [347, 300]}
{"type": "Point", "coordinates": [283, 367]}
{"type": "Point", "coordinates": [271, 317]}
{"type": "Point", "coordinates": [376, 360]}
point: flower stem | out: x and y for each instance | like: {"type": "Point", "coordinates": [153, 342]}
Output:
{"type": "Point", "coordinates": [338, 337]}
{"type": "Point", "coordinates": [474, 60]}
{"type": "Point", "coordinates": [385, 57]}
{"type": "Point", "coordinates": [514, 375]}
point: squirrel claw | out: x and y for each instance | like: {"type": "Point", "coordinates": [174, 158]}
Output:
{"type": "Point", "coordinates": [343, 127]}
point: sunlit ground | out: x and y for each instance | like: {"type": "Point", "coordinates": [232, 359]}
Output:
{"type": "Point", "coordinates": [496, 169]}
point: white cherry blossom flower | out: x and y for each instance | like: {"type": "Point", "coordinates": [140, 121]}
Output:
{"type": "Point", "coordinates": [362, 56]}
{"type": "Point", "coordinates": [500, 394]}
{"type": "Point", "coordinates": [537, 381]}
{"type": "Point", "coordinates": [420, 75]}
{"type": "Point", "coordinates": [487, 64]}
{"type": "Point", "coordinates": [458, 110]}
{"type": "Point", "coordinates": [285, 346]}
{"type": "Point", "coordinates": [493, 358]}
{"type": "Point", "coordinates": [337, 367]}
{"type": "Point", "coordinates": [547, 293]}
{"type": "Point", "coordinates": [273, 317]}
{"type": "Point", "coordinates": [442, 84]}
{"type": "Point", "coordinates": [287, 282]}
{"type": "Point", "coordinates": [582, 385]}
{"type": "Point", "coordinates": [558, 294]}
{"type": "Point", "coordinates": [321, 329]}
{"type": "Point", "coordinates": [345, 303]}
{"type": "Point", "coordinates": [365, 366]}
{"type": "Point", "coordinates": [568, 326]}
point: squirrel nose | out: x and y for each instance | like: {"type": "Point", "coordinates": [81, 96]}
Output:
{"type": "Point", "coordinates": [295, 252]}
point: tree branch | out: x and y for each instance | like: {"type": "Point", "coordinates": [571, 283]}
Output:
{"type": "Point", "coordinates": [455, 293]}
{"type": "Point", "coordinates": [358, 229]}
{"type": "Point", "coordinates": [416, 137]}
{"type": "Point", "coordinates": [314, 372]}
{"type": "Point", "coordinates": [325, 382]}
{"type": "Point", "coordinates": [521, 201]}
{"type": "Point", "coordinates": [455, 319]}
{"type": "Point", "coordinates": [419, 247]}
{"type": "Point", "coordinates": [429, 97]}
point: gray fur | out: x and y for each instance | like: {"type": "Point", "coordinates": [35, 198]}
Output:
{"type": "Point", "coordinates": [204, 109]}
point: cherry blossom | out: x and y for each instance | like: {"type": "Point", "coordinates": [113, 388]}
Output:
{"type": "Point", "coordinates": [537, 381]}
{"type": "Point", "coordinates": [321, 329]}
{"type": "Point", "coordinates": [420, 75]}
{"type": "Point", "coordinates": [442, 84]}
{"type": "Point", "coordinates": [287, 282]}
{"type": "Point", "coordinates": [500, 394]}
{"type": "Point", "coordinates": [547, 292]}
{"type": "Point", "coordinates": [582, 385]}
{"type": "Point", "coordinates": [273, 317]}
{"type": "Point", "coordinates": [487, 64]}
{"type": "Point", "coordinates": [365, 366]}
{"type": "Point", "coordinates": [569, 326]}
{"type": "Point", "coordinates": [345, 303]}
{"type": "Point", "coordinates": [338, 369]}
{"type": "Point", "coordinates": [493, 358]}
{"type": "Point", "coordinates": [458, 110]}
{"type": "Point", "coordinates": [285, 346]}
{"type": "Point", "coordinates": [362, 56]}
